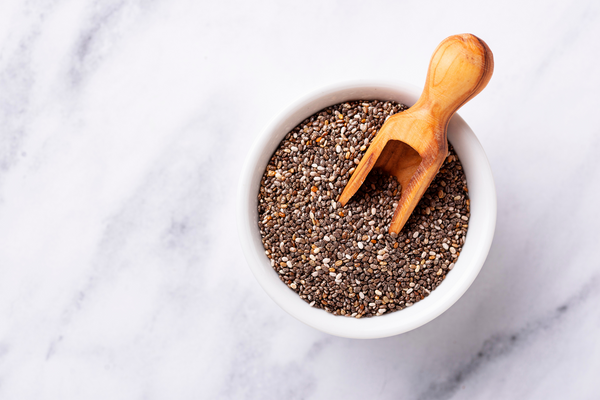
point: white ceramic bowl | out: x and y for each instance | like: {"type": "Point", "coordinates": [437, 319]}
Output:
{"type": "Point", "coordinates": [477, 244]}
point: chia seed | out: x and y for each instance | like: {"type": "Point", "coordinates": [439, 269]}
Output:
{"type": "Point", "coordinates": [342, 259]}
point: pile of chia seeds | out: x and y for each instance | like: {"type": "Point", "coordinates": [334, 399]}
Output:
{"type": "Point", "coordinates": [342, 259]}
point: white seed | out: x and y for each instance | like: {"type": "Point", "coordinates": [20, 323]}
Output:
{"type": "Point", "coordinates": [378, 293]}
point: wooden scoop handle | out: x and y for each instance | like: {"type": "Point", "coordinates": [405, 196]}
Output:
{"type": "Point", "coordinates": [461, 66]}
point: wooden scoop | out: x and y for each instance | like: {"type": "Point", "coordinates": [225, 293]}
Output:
{"type": "Point", "coordinates": [412, 145]}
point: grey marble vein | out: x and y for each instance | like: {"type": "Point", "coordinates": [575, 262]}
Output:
{"type": "Point", "coordinates": [505, 343]}
{"type": "Point", "coordinates": [123, 129]}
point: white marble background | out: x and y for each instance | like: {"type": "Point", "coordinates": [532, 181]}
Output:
{"type": "Point", "coordinates": [123, 127]}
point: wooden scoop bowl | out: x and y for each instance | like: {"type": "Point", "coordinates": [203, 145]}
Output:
{"type": "Point", "coordinates": [412, 145]}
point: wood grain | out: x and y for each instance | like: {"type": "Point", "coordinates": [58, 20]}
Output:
{"type": "Point", "coordinates": [413, 144]}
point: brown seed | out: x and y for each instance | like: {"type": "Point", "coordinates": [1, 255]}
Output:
{"type": "Point", "coordinates": [317, 221]}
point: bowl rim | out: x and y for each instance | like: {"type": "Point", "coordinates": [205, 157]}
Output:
{"type": "Point", "coordinates": [478, 171]}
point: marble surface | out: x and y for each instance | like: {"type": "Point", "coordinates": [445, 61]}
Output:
{"type": "Point", "coordinates": [123, 128]}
